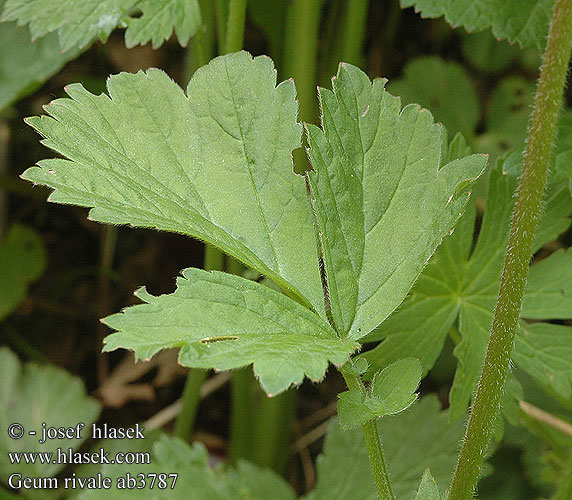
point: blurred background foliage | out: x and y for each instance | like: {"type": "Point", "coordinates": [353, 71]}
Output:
{"type": "Point", "coordinates": [60, 273]}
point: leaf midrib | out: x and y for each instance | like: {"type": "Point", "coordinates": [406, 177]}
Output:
{"type": "Point", "coordinates": [247, 159]}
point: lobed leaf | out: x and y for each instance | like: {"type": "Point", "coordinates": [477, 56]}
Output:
{"type": "Point", "coordinates": [79, 22]}
{"type": "Point", "coordinates": [370, 161]}
{"type": "Point", "coordinates": [224, 321]}
{"type": "Point", "coordinates": [392, 391]}
{"type": "Point", "coordinates": [31, 394]}
{"type": "Point", "coordinates": [22, 260]}
{"type": "Point", "coordinates": [524, 22]}
{"type": "Point", "coordinates": [458, 291]}
{"type": "Point", "coordinates": [215, 165]}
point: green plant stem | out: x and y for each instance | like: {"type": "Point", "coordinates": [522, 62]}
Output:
{"type": "Point", "coordinates": [300, 57]}
{"type": "Point", "coordinates": [242, 414]}
{"type": "Point", "coordinates": [214, 261]}
{"type": "Point", "coordinates": [189, 403]}
{"type": "Point", "coordinates": [540, 139]}
{"type": "Point", "coordinates": [235, 26]}
{"type": "Point", "coordinates": [274, 430]}
{"type": "Point", "coordinates": [301, 62]}
{"type": "Point", "coordinates": [564, 491]}
{"type": "Point", "coordinates": [202, 44]}
{"type": "Point", "coordinates": [221, 13]}
{"type": "Point", "coordinates": [354, 30]}
{"type": "Point", "coordinates": [108, 244]}
{"type": "Point", "coordinates": [373, 444]}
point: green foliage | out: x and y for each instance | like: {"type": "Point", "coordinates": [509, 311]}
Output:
{"type": "Point", "coordinates": [224, 321]}
{"type": "Point", "coordinates": [22, 260]}
{"type": "Point", "coordinates": [174, 456]}
{"type": "Point", "coordinates": [217, 166]}
{"type": "Point", "coordinates": [269, 16]}
{"type": "Point", "coordinates": [413, 440]}
{"type": "Point", "coordinates": [523, 22]}
{"type": "Point", "coordinates": [428, 489]}
{"type": "Point", "coordinates": [459, 287]}
{"type": "Point", "coordinates": [544, 350]}
{"type": "Point", "coordinates": [488, 55]}
{"type": "Point", "coordinates": [444, 88]}
{"type": "Point", "coordinates": [507, 116]}
{"type": "Point", "coordinates": [24, 65]}
{"type": "Point", "coordinates": [158, 20]}
{"type": "Point", "coordinates": [31, 394]}
{"type": "Point", "coordinates": [392, 390]}
{"type": "Point", "coordinates": [79, 22]}
{"type": "Point", "coordinates": [371, 159]}
{"type": "Point", "coordinates": [230, 182]}
{"type": "Point", "coordinates": [345, 244]}
{"type": "Point", "coordinates": [451, 96]}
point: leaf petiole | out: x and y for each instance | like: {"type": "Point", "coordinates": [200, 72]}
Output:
{"type": "Point", "coordinates": [372, 441]}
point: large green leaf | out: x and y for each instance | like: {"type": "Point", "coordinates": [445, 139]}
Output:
{"type": "Point", "coordinates": [224, 321]}
{"type": "Point", "coordinates": [458, 290]}
{"type": "Point", "coordinates": [382, 197]}
{"type": "Point", "coordinates": [31, 395]}
{"type": "Point", "coordinates": [522, 21]}
{"type": "Point", "coordinates": [216, 165]}
{"type": "Point", "coordinates": [343, 468]}
{"type": "Point", "coordinates": [79, 22]}
{"type": "Point", "coordinates": [22, 260]}
{"type": "Point", "coordinates": [195, 479]}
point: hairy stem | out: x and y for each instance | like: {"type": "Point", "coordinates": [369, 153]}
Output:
{"type": "Point", "coordinates": [235, 26]}
{"type": "Point", "coordinates": [539, 146]}
{"type": "Point", "coordinates": [373, 444]}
